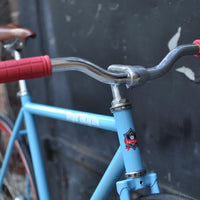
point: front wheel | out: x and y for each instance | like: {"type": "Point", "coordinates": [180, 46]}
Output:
{"type": "Point", "coordinates": [19, 182]}
{"type": "Point", "coordinates": [164, 197]}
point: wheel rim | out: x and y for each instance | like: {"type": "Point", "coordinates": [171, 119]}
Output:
{"type": "Point", "coordinates": [15, 185]}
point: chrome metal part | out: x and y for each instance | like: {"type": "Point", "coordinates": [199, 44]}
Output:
{"type": "Point", "coordinates": [137, 74]}
{"type": "Point", "coordinates": [119, 102]}
{"type": "Point", "coordinates": [23, 89]}
{"type": "Point", "coordinates": [92, 70]}
{"type": "Point", "coordinates": [16, 55]}
{"type": "Point", "coordinates": [130, 76]}
{"type": "Point", "coordinates": [22, 83]}
{"type": "Point", "coordinates": [121, 106]}
{"type": "Point", "coordinates": [117, 96]}
{"type": "Point", "coordinates": [165, 65]}
{"type": "Point", "coordinates": [17, 44]}
{"type": "Point", "coordinates": [136, 174]}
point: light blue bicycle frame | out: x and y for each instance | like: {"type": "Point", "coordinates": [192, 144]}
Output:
{"type": "Point", "coordinates": [128, 159]}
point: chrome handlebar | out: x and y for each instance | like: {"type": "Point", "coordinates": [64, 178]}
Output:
{"type": "Point", "coordinates": [123, 74]}
{"type": "Point", "coordinates": [90, 69]}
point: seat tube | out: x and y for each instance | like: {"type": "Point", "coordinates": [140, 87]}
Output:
{"type": "Point", "coordinates": [35, 150]}
{"type": "Point", "coordinates": [121, 110]}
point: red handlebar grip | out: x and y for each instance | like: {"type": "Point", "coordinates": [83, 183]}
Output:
{"type": "Point", "coordinates": [26, 68]}
{"type": "Point", "coordinates": [197, 42]}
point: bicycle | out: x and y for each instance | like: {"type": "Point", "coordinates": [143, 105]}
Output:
{"type": "Point", "coordinates": [127, 156]}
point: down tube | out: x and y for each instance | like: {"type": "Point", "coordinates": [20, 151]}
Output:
{"type": "Point", "coordinates": [110, 177]}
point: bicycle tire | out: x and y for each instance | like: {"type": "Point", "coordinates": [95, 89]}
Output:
{"type": "Point", "coordinates": [164, 197]}
{"type": "Point", "coordinates": [20, 166]}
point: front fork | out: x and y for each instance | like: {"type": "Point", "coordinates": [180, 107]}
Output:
{"type": "Point", "coordinates": [135, 172]}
